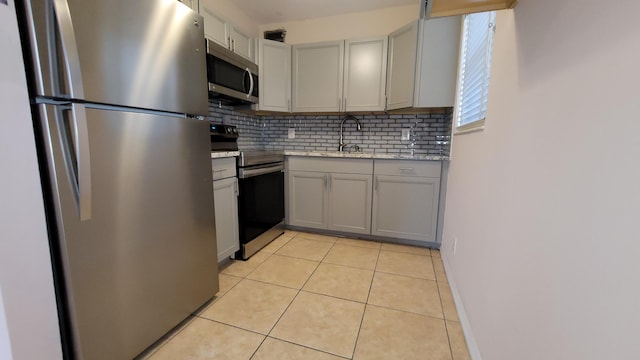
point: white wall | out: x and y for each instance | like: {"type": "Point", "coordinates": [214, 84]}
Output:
{"type": "Point", "coordinates": [545, 202]}
{"type": "Point", "coordinates": [347, 26]}
{"type": "Point", "coordinates": [28, 302]}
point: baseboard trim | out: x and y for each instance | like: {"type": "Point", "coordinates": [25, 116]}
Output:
{"type": "Point", "coordinates": [474, 351]}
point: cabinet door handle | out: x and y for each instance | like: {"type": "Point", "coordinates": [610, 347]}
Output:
{"type": "Point", "coordinates": [236, 188]}
{"type": "Point", "coordinates": [325, 181]}
{"type": "Point", "coordinates": [375, 184]}
{"type": "Point", "coordinates": [329, 176]}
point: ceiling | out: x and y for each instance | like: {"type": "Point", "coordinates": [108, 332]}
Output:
{"type": "Point", "coordinates": [275, 11]}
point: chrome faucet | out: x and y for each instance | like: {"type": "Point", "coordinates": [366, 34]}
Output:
{"type": "Point", "coordinates": [342, 145]}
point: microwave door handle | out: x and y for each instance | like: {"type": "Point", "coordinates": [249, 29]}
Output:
{"type": "Point", "coordinates": [250, 82]}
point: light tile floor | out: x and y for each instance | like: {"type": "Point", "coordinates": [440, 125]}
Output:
{"type": "Point", "coordinates": [309, 296]}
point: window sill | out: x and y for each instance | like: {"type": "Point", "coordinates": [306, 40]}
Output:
{"type": "Point", "coordinates": [469, 128]}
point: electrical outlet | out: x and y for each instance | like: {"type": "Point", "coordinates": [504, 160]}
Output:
{"type": "Point", "coordinates": [455, 245]}
{"type": "Point", "coordinates": [292, 133]}
{"type": "Point", "coordinates": [405, 134]}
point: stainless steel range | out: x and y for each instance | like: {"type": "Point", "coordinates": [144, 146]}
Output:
{"type": "Point", "coordinates": [261, 200]}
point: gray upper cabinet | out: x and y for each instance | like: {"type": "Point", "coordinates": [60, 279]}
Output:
{"type": "Point", "coordinates": [365, 74]}
{"type": "Point", "coordinates": [193, 4]}
{"type": "Point", "coordinates": [319, 84]}
{"type": "Point", "coordinates": [423, 63]}
{"type": "Point", "coordinates": [215, 27]}
{"type": "Point", "coordinates": [241, 43]}
{"type": "Point", "coordinates": [437, 64]}
{"type": "Point", "coordinates": [317, 77]}
{"type": "Point", "coordinates": [403, 45]}
{"type": "Point", "coordinates": [225, 33]}
{"type": "Point", "coordinates": [274, 61]}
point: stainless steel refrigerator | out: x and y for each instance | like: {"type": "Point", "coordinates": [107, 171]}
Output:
{"type": "Point", "coordinates": [115, 88]}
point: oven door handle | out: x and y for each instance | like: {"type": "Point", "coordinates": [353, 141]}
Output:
{"type": "Point", "coordinates": [251, 172]}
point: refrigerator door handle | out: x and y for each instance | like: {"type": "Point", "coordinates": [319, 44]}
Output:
{"type": "Point", "coordinates": [83, 158]}
{"type": "Point", "coordinates": [69, 48]}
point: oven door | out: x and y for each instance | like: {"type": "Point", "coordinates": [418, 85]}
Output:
{"type": "Point", "coordinates": [260, 202]}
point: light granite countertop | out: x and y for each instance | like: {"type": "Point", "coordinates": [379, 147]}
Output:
{"type": "Point", "coordinates": [224, 154]}
{"type": "Point", "coordinates": [365, 155]}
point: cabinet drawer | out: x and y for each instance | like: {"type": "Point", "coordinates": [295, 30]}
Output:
{"type": "Point", "coordinates": [223, 168]}
{"type": "Point", "coordinates": [408, 168]}
{"type": "Point", "coordinates": [331, 165]}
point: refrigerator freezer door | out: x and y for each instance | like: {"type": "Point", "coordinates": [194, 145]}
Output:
{"type": "Point", "coordinates": [148, 54]}
{"type": "Point", "coordinates": [146, 259]}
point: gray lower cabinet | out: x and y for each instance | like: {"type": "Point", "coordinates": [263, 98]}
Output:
{"type": "Point", "coordinates": [330, 194]}
{"type": "Point", "coordinates": [388, 198]}
{"type": "Point", "coordinates": [350, 203]}
{"type": "Point", "coordinates": [405, 207]}
{"type": "Point", "coordinates": [405, 199]}
{"type": "Point", "coordinates": [225, 202]}
{"type": "Point", "coordinates": [330, 201]}
{"type": "Point", "coordinates": [308, 199]}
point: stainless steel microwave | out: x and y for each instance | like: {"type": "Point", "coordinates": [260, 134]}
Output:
{"type": "Point", "coordinates": [232, 79]}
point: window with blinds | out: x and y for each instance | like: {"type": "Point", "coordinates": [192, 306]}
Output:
{"type": "Point", "coordinates": [475, 63]}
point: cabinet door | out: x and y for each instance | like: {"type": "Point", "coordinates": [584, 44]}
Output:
{"type": "Point", "coordinates": [215, 27]}
{"type": "Point", "coordinates": [193, 4]}
{"type": "Point", "coordinates": [225, 201]}
{"type": "Point", "coordinates": [275, 76]}
{"type": "Point", "coordinates": [365, 74]}
{"type": "Point", "coordinates": [437, 63]}
{"type": "Point", "coordinates": [241, 43]}
{"type": "Point", "coordinates": [350, 203]}
{"type": "Point", "coordinates": [405, 207]}
{"type": "Point", "coordinates": [308, 199]}
{"type": "Point", "coordinates": [317, 76]}
{"type": "Point", "coordinates": [401, 68]}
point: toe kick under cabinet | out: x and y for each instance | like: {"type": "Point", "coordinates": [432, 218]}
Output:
{"type": "Point", "coordinates": [386, 198]}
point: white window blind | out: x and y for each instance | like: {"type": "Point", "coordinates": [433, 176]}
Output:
{"type": "Point", "coordinates": [475, 63]}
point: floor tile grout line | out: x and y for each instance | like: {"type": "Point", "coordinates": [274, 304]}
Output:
{"type": "Point", "coordinates": [409, 276]}
{"type": "Point", "coordinates": [168, 339]}
{"type": "Point", "coordinates": [444, 317]}
{"type": "Point", "coordinates": [294, 298]}
{"type": "Point", "coordinates": [355, 346]}
{"type": "Point", "coordinates": [306, 347]}
{"type": "Point", "coordinates": [406, 311]}
{"type": "Point", "coordinates": [233, 326]}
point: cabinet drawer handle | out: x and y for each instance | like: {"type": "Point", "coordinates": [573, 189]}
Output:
{"type": "Point", "coordinates": [221, 170]}
{"type": "Point", "coordinates": [406, 169]}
